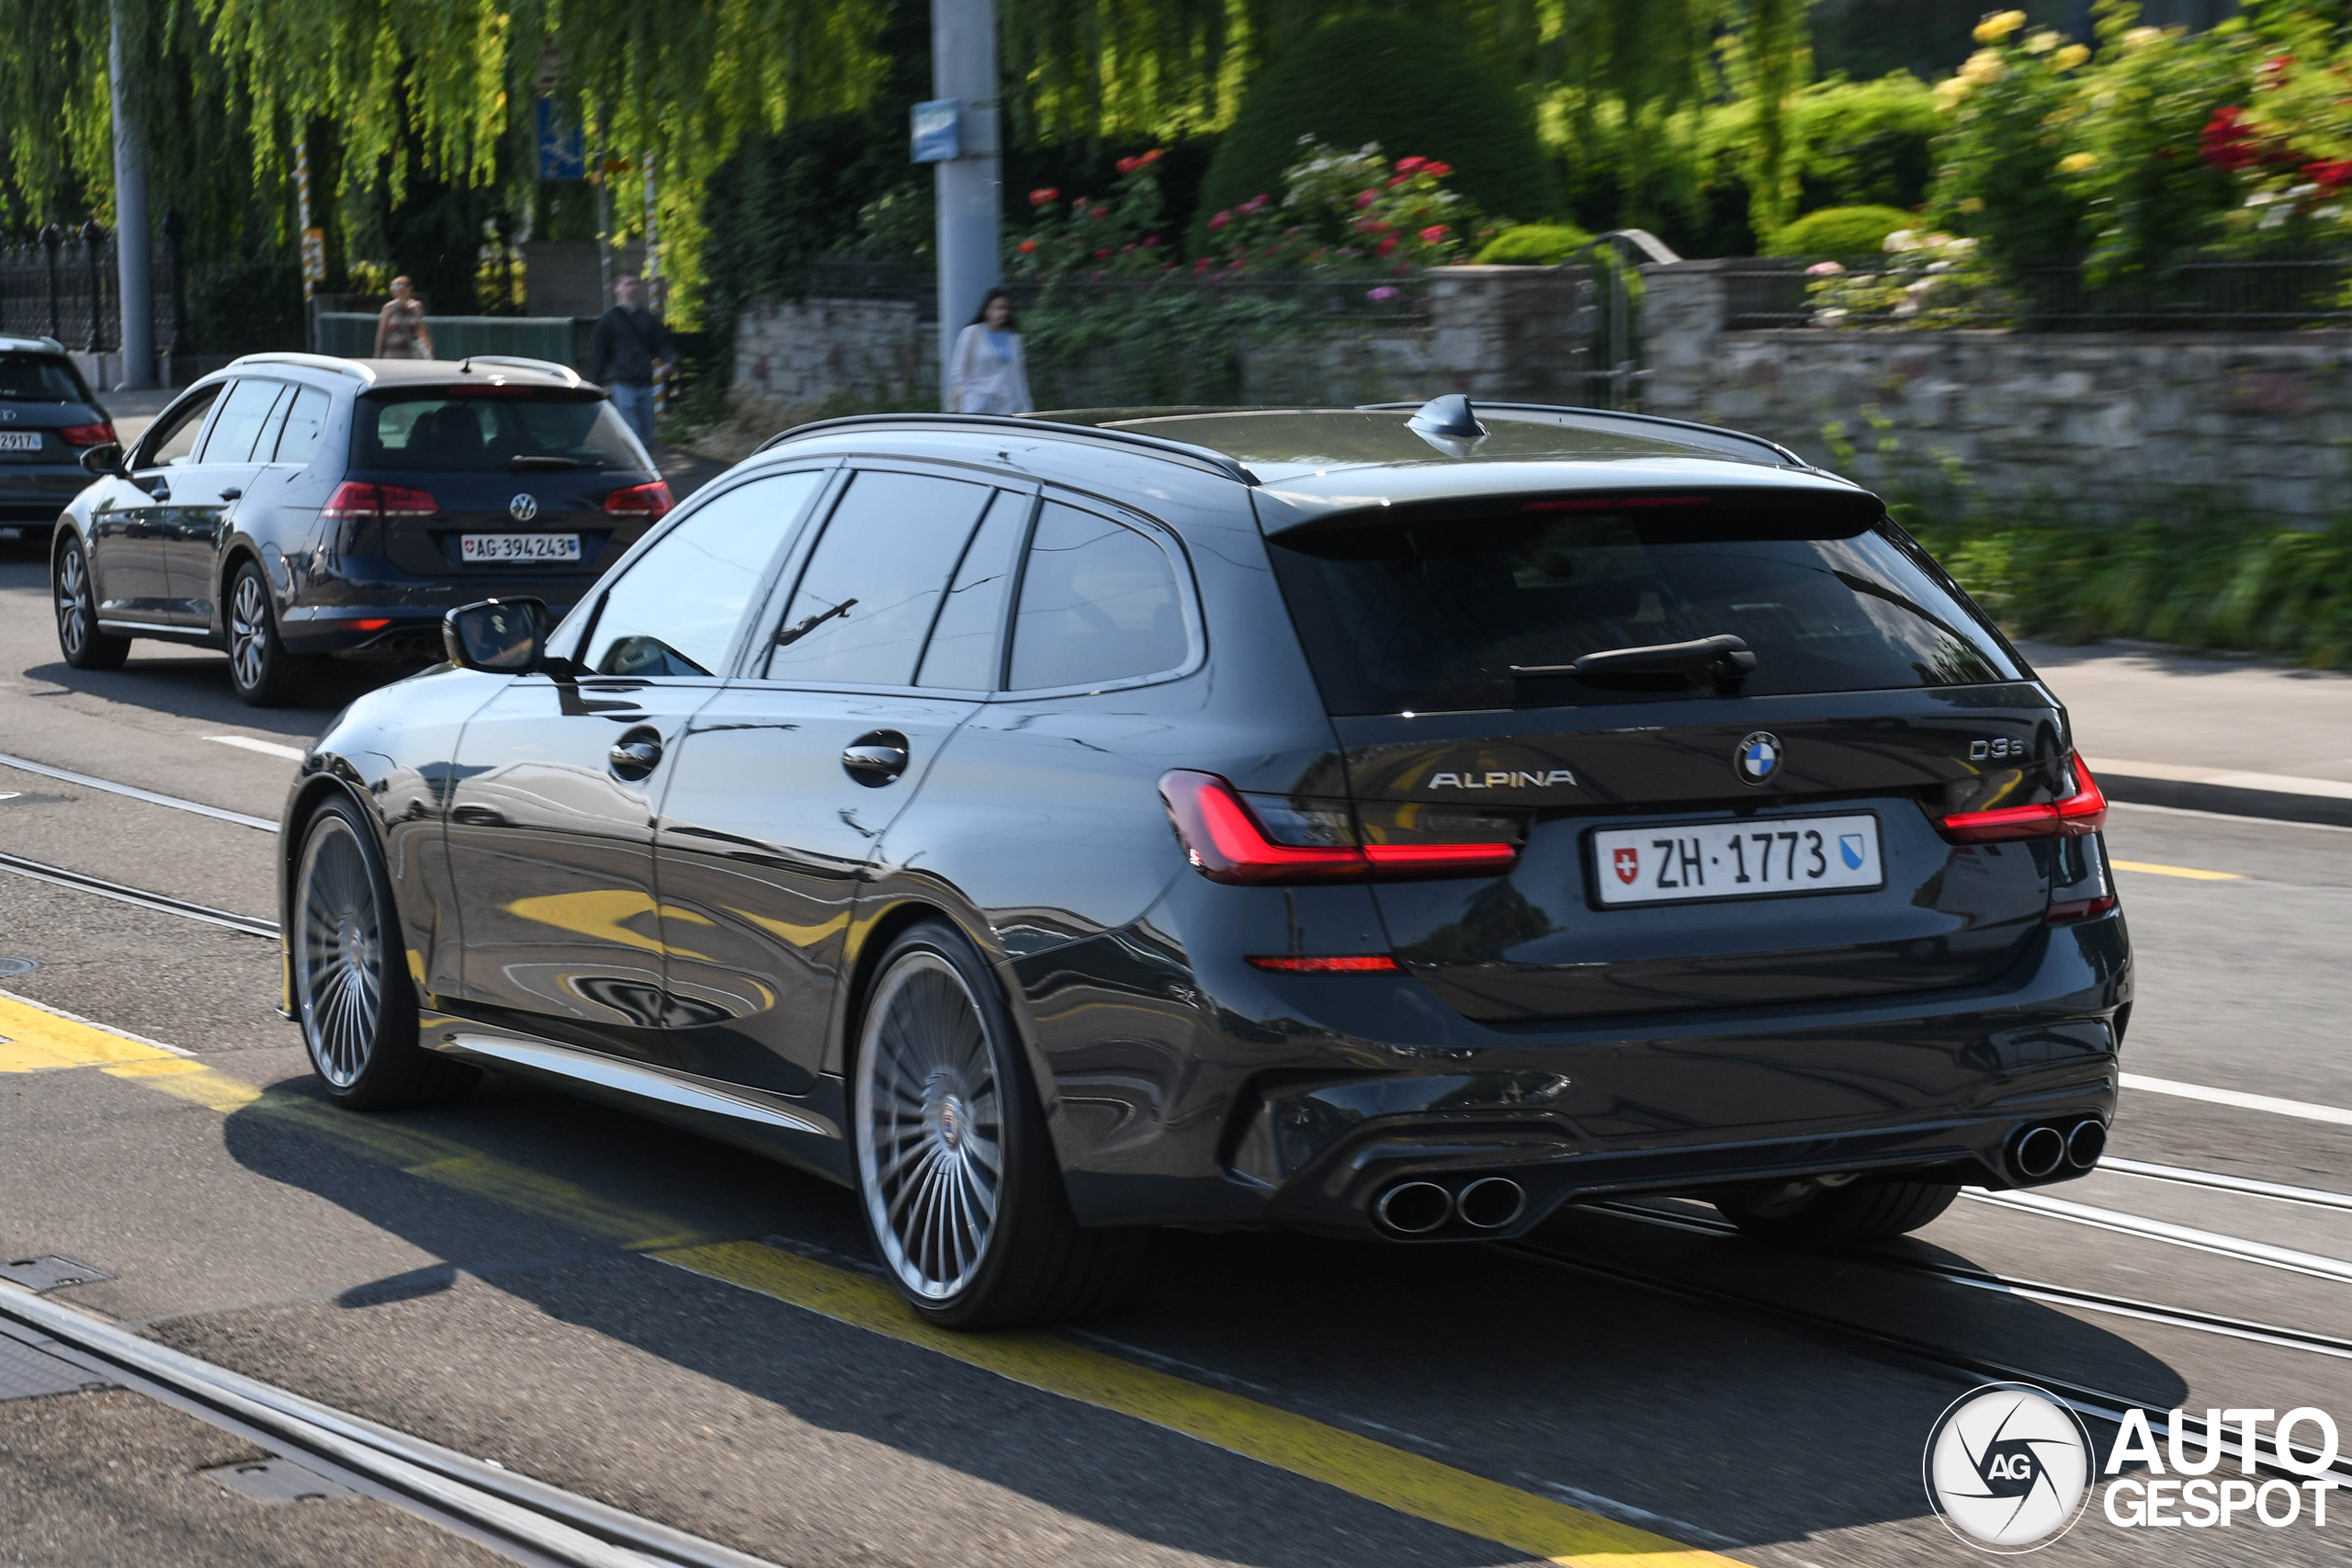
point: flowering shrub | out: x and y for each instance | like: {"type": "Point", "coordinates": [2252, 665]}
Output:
{"type": "Point", "coordinates": [1342, 212]}
{"type": "Point", "coordinates": [1120, 235]}
{"type": "Point", "coordinates": [1928, 280]}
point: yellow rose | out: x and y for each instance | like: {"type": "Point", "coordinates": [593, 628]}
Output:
{"type": "Point", "coordinates": [2041, 42]}
{"type": "Point", "coordinates": [1983, 66]}
{"type": "Point", "coordinates": [2141, 37]}
{"type": "Point", "coordinates": [1952, 89]}
{"type": "Point", "coordinates": [2066, 59]}
{"type": "Point", "coordinates": [1971, 204]}
{"type": "Point", "coordinates": [1999, 26]}
{"type": "Point", "coordinates": [2075, 163]}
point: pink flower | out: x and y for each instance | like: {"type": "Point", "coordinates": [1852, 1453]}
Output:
{"type": "Point", "coordinates": [1365, 198]}
{"type": "Point", "coordinates": [1102, 254]}
{"type": "Point", "coordinates": [1124, 249]}
{"type": "Point", "coordinates": [1202, 265]}
{"type": "Point", "coordinates": [1256, 203]}
{"type": "Point", "coordinates": [1220, 220]}
{"type": "Point", "coordinates": [1437, 171]}
{"type": "Point", "coordinates": [1406, 165]}
{"type": "Point", "coordinates": [1433, 234]}
{"type": "Point", "coordinates": [1820, 269]}
{"type": "Point", "coordinates": [1100, 213]}
{"type": "Point", "coordinates": [1384, 294]}
{"type": "Point", "coordinates": [1385, 246]}
{"type": "Point", "coordinates": [1151, 241]}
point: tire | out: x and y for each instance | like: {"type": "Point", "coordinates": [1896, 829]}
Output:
{"type": "Point", "coordinates": [962, 1195]}
{"type": "Point", "coordinates": [354, 1001]}
{"type": "Point", "coordinates": [1842, 1216]}
{"type": "Point", "coordinates": [78, 637]}
{"type": "Point", "coordinates": [261, 670]}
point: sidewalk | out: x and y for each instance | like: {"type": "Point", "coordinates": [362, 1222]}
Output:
{"type": "Point", "coordinates": [2237, 735]}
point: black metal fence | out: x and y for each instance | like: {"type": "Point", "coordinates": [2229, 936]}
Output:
{"type": "Point", "coordinates": [2280, 292]}
{"type": "Point", "coordinates": [63, 285]}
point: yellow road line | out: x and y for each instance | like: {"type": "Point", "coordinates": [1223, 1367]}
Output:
{"type": "Point", "coordinates": [35, 1039]}
{"type": "Point", "coordinates": [2188, 871]}
{"type": "Point", "coordinates": [1374, 1470]}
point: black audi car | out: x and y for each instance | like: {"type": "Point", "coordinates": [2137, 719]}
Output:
{"type": "Point", "coordinates": [295, 505]}
{"type": "Point", "coordinates": [1381, 822]}
{"type": "Point", "coordinates": [48, 418]}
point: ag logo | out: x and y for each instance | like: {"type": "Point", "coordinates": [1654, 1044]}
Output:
{"type": "Point", "coordinates": [1757, 758]}
{"type": "Point", "coordinates": [1629, 867]}
{"type": "Point", "coordinates": [2009, 1467]}
{"type": "Point", "coordinates": [523, 508]}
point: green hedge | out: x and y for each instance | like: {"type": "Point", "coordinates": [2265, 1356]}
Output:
{"type": "Point", "coordinates": [1839, 231]}
{"type": "Point", "coordinates": [1535, 244]}
{"type": "Point", "coordinates": [1414, 88]}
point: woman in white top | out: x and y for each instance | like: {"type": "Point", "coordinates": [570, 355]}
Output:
{"type": "Point", "coordinates": [985, 375]}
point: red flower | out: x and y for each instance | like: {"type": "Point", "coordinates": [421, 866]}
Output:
{"type": "Point", "coordinates": [1151, 157]}
{"type": "Point", "coordinates": [1433, 234]}
{"type": "Point", "coordinates": [1220, 220]}
{"type": "Point", "coordinates": [1365, 198]}
{"type": "Point", "coordinates": [2330, 176]}
{"type": "Point", "coordinates": [1099, 213]}
{"type": "Point", "coordinates": [1043, 195]}
{"type": "Point", "coordinates": [1102, 254]}
{"type": "Point", "coordinates": [1204, 265]}
{"type": "Point", "coordinates": [1437, 171]}
{"type": "Point", "coordinates": [1406, 165]}
{"type": "Point", "coordinates": [1396, 180]}
{"type": "Point", "coordinates": [1255, 204]}
{"type": "Point", "coordinates": [1385, 246]}
{"type": "Point", "coordinates": [1028, 247]}
{"type": "Point", "coordinates": [2232, 141]}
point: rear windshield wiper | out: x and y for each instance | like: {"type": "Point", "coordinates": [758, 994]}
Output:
{"type": "Point", "coordinates": [1723, 656]}
{"type": "Point", "coordinates": [526, 462]}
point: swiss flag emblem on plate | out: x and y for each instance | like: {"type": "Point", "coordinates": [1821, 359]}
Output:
{"type": "Point", "coordinates": [1629, 865]}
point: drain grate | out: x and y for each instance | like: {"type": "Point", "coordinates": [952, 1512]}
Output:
{"type": "Point", "coordinates": [27, 1373]}
{"type": "Point", "coordinates": [17, 966]}
{"type": "Point", "coordinates": [48, 1272]}
{"type": "Point", "coordinates": [278, 1481]}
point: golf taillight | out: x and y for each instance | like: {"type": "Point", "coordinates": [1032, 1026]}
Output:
{"type": "Point", "coordinates": [1225, 843]}
{"type": "Point", "coordinates": [640, 500]}
{"type": "Point", "coordinates": [88, 435]}
{"type": "Point", "coordinates": [352, 499]}
{"type": "Point", "coordinates": [2081, 812]}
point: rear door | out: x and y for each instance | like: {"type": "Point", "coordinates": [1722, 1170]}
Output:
{"type": "Point", "coordinates": [885, 643]}
{"type": "Point", "coordinates": [1691, 837]}
{"type": "Point", "coordinates": [206, 494]}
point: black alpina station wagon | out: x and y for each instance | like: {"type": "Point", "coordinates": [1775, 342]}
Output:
{"type": "Point", "coordinates": [1375, 821]}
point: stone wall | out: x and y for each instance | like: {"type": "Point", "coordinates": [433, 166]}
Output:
{"type": "Point", "coordinates": [876, 350]}
{"type": "Point", "coordinates": [2106, 421]}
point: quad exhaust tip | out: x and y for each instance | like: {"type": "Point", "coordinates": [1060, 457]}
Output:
{"type": "Point", "coordinates": [1414, 1207]}
{"type": "Point", "coordinates": [1491, 1203]}
{"type": "Point", "coordinates": [2086, 1144]}
{"type": "Point", "coordinates": [2038, 1152]}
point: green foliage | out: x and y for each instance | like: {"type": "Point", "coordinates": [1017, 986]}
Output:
{"type": "Point", "coordinates": [1839, 231]}
{"type": "Point", "coordinates": [1344, 212]}
{"type": "Point", "coordinates": [2148, 98]}
{"type": "Point", "coordinates": [1535, 244]}
{"type": "Point", "coordinates": [1169, 345]}
{"type": "Point", "coordinates": [2001, 182]}
{"type": "Point", "coordinates": [1865, 144]}
{"type": "Point", "coordinates": [1411, 88]}
{"type": "Point", "coordinates": [1124, 234]}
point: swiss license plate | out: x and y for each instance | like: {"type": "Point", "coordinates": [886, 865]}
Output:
{"type": "Point", "coordinates": [518, 546]}
{"type": "Point", "coordinates": [19, 440]}
{"type": "Point", "coordinates": [1736, 860]}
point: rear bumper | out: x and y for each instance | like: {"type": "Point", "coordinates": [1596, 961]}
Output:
{"type": "Point", "coordinates": [1309, 1097]}
{"type": "Point", "coordinates": [411, 619]}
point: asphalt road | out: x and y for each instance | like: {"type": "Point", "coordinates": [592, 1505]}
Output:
{"type": "Point", "coordinates": [695, 1335]}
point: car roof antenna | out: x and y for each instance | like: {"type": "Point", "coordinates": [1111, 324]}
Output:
{"type": "Point", "coordinates": [1447, 424]}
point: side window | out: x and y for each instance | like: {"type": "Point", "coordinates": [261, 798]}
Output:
{"type": "Point", "coordinates": [172, 441]}
{"type": "Point", "coordinates": [1099, 602]}
{"type": "Point", "coordinates": [243, 416]}
{"type": "Point", "coordinates": [306, 426]}
{"type": "Point", "coordinates": [963, 645]}
{"type": "Point", "coordinates": [677, 609]}
{"type": "Point", "coordinates": [867, 600]}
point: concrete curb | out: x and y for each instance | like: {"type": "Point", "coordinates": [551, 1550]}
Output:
{"type": "Point", "coordinates": [2229, 799]}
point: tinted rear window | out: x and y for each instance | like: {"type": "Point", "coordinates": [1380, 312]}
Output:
{"type": "Point", "coordinates": [488, 433]}
{"type": "Point", "coordinates": [39, 379]}
{"type": "Point", "coordinates": [1430, 618]}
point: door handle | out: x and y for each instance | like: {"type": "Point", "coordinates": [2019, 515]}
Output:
{"type": "Point", "coordinates": [875, 758]}
{"type": "Point", "coordinates": [635, 754]}
{"type": "Point", "coordinates": [231, 493]}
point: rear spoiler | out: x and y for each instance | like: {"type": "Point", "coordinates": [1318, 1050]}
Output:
{"type": "Point", "coordinates": [1696, 513]}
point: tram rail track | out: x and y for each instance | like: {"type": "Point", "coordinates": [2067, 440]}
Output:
{"type": "Point", "coordinates": [123, 893]}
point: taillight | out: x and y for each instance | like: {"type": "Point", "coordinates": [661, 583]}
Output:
{"type": "Point", "coordinates": [2081, 812]}
{"type": "Point", "coordinates": [1364, 963]}
{"type": "Point", "coordinates": [1225, 843]}
{"type": "Point", "coordinates": [640, 500]}
{"type": "Point", "coordinates": [353, 499]}
{"type": "Point", "coordinates": [88, 435]}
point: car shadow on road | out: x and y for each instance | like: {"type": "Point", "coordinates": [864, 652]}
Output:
{"type": "Point", "coordinates": [193, 684]}
{"type": "Point", "coordinates": [1707, 1423]}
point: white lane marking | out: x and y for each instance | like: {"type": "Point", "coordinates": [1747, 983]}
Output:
{"type": "Point", "coordinates": [2310, 1263]}
{"type": "Point", "coordinates": [2227, 817]}
{"type": "Point", "coordinates": [2175, 773]}
{"type": "Point", "coordinates": [149, 795]}
{"type": "Point", "coordinates": [2174, 1173]}
{"type": "Point", "coordinates": [266, 748]}
{"type": "Point", "coordinates": [10, 793]}
{"type": "Point", "coordinates": [2303, 1108]}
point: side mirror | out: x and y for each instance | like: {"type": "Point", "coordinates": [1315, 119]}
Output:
{"type": "Point", "coordinates": [502, 636]}
{"type": "Point", "coordinates": [104, 459]}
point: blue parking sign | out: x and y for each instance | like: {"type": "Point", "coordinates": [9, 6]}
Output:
{"type": "Point", "coordinates": [938, 137]}
{"type": "Point", "coordinates": [561, 154]}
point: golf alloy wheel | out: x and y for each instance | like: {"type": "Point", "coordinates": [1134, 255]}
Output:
{"type": "Point", "coordinates": [78, 637]}
{"type": "Point", "coordinates": [249, 631]}
{"type": "Point", "coordinates": [931, 1129]}
{"type": "Point", "coordinates": [338, 952]}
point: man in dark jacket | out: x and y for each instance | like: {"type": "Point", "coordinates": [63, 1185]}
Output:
{"type": "Point", "coordinates": [629, 349]}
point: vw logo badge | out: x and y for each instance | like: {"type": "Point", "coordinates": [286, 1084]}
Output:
{"type": "Point", "coordinates": [1758, 757]}
{"type": "Point", "coordinates": [523, 508]}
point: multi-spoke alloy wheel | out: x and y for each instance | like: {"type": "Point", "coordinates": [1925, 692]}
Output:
{"type": "Point", "coordinates": [350, 976]}
{"type": "Point", "coordinates": [78, 637]}
{"type": "Point", "coordinates": [338, 952]}
{"type": "Point", "coordinates": [931, 1135]}
{"type": "Point", "coordinates": [964, 1197]}
{"type": "Point", "coordinates": [252, 652]}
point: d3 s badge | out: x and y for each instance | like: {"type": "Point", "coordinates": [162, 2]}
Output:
{"type": "Point", "coordinates": [1629, 865]}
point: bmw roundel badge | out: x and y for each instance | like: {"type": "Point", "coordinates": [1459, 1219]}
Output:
{"type": "Point", "coordinates": [1757, 758]}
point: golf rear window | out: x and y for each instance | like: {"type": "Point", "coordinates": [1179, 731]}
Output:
{"type": "Point", "coordinates": [1432, 616]}
{"type": "Point", "coordinates": [480, 433]}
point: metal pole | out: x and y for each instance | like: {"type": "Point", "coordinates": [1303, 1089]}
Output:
{"type": "Point", "coordinates": [969, 188]}
{"type": "Point", "coordinates": [91, 235]}
{"type": "Point", "coordinates": [51, 236]}
{"type": "Point", "coordinates": [314, 245]}
{"type": "Point", "coordinates": [135, 288]}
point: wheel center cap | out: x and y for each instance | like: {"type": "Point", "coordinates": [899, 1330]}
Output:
{"type": "Point", "coordinates": [951, 1122]}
